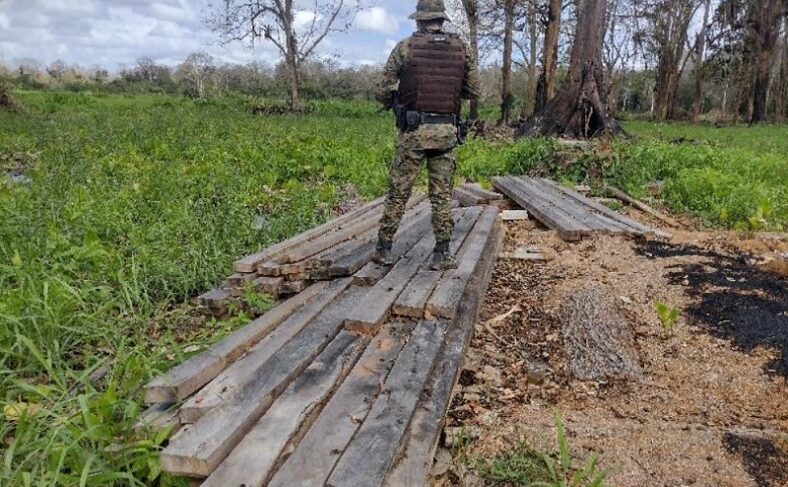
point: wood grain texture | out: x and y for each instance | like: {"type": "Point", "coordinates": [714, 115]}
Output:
{"type": "Point", "coordinates": [157, 418]}
{"type": "Point", "coordinates": [445, 300]}
{"type": "Point", "coordinates": [370, 274]}
{"type": "Point", "coordinates": [566, 227]}
{"type": "Point", "coordinates": [231, 380]}
{"type": "Point", "coordinates": [316, 454]}
{"type": "Point", "coordinates": [559, 203]}
{"type": "Point", "coordinates": [198, 451]}
{"type": "Point", "coordinates": [188, 377]}
{"type": "Point", "coordinates": [466, 198]}
{"type": "Point", "coordinates": [487, 195]}
{"type": "Point", "coordinates": [253, 461]}
{"type": "Point", "coordinates": [250, 262]}
{"type": "Point", "coordinates": [369, 455]}
{"type": "Point", "coordinates": [414, 459]}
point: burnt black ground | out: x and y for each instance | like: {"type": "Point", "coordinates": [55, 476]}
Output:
{"type": "Point", "coordinates": [732, 299]}
{"type": "Point", "coordinates": [767, 464]}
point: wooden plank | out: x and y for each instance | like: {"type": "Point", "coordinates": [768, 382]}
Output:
{"type": "Point", "coordinates": [567, 228]}
{"type": "Point", "coordinates": [240, 279]}
{"type": "Point", "coordinates": [316, 454]}
{"type": "Point", "coordinates": [602, 209]}
{"type": "Point", "coordinates": [642, 206]}
{"type": "Point", "coordinates": [370, 274]}
{"type": "Point", "coordinates": [369, 455]}
{"type": "Point", "coordinates": [414, 459]}
{"type": "Point", "coordinates": [292, 287]}
{"type": "Point", "coordinates": [215, 298]}
{"type": "Point", "coordinates": [188, 377]}
{"type": "Point", "coordinates": [231, 380]}
{"type": "Point", "coordinates": [253, 461]}
{"type": "Point", "coordinates": [368, 317]}
{"type": "Point", "coordinates": [157, 418]}
{"type": "Point", "coordinates": [487, 195]}
{"type": "Point", "coordinates": [568, 206]}
{"type": "Point", "coordinates": [445, 300]}
{"type": "Point", "coordinates": [414, 298]}
{"type": "Point", "coordinates": [466, 198]}
{"type": "Point", "coordinates": [514, 215]}
{"type": "Point", "coordinates": [268, 285]}
{"type": "Point", "coordinates": [345, 232]}
{"type": "Point", "coordinates": [198, 451]}
{"type": "Point", "coordinates": [250, 262]}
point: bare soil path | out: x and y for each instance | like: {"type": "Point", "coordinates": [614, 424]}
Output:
{"type": "Point", "coordinates": [710, 404]}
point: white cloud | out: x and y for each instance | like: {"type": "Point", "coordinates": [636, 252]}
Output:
{"type": "Point", "coordinates": [377, 19]}
{"type": "Point", "coordinates": [303, 18]}
{"type": "Point", "coordinates": [5, 23]}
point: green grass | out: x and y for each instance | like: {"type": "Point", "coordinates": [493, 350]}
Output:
{"type": "Point", "coordinates": [137, 203]}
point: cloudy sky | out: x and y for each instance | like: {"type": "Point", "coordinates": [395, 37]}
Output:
{"type": "Point", "coordinates": [114, 33]}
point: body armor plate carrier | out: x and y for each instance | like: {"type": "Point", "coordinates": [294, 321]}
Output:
{"type": "Point", "coordinates": [433, 78]}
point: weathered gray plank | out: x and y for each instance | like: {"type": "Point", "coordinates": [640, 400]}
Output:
{"type": "Point", "coordinates": [231, 380]}
{"type": "Point", "coordinates": [255, 458]}
{"type": "Point", "coordinates": [188, 377]}
{"type": "Point", "coordinates": [317, 453]}
{"type": "Point", "coordinates": [368, 316]}
{"type": "Point", "coordinates": [215, 299]}
{"type": "Point", "coordinates": [566, 227]}
{"type": "Point", "coordinates": [268, 285]}
{"type": "Point", "coordinates": [370, 274]}
{"type": "Point", "coordinates": [486, 194]}
{"type": "Point", "coordinates": [414, 459]}
{"type": "Point", "coordinates": [198, 451]}
{"type": "Point", "coordinates": [250, 262]}
{"type": "Point", "coordinates": [514, 215]}
{"type": "Point", "coordinates": [466, 198]}
{"type": "Point", "coordinates": [560, 203]}
{"type": "Point", "coordinates": [369, 455]}
{"type": "Point", "coordinates": [412, 300]}
{"type": "Point", "coordinates": [446, 298]}
{"type": "Point", "coordinates": [157, 418]}
{"type": "Point", "coordinates": [240, 279]}
{"type": "Point", "coordinates": [292, 287]}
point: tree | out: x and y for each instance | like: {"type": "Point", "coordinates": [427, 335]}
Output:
{"type": "Point", "coordinates": [471, 8]}
{"type": "Point", "coordinates": [764, 23]}
{"type": "Point", "coordinates": [578, 110]}
{"type": "Point", "coordinates": [698, 55]}
{"type": "Point", "coordinates": [57, 70]}
{"type": "Point", "coordinates": [295, 33]}
{"type": "Point", "coordinates": [507, 99]}
{"type": "Point", "coordinates": [549, 54]}
{"type": "Point", "coordinates": [195, 72]}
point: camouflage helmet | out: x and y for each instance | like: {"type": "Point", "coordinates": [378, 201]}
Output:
{"type": "Point", "coordinates": [430, 10]}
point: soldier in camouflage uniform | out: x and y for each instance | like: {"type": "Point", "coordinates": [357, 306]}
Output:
{"type": "Point", "coordinates": [432, 72]}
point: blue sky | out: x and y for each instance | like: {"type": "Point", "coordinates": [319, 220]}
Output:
{"type": "Point", "coordinates": [114, 33]}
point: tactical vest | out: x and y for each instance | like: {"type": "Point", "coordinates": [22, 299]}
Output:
{"type": "Point", "coordinates": [433, 77]}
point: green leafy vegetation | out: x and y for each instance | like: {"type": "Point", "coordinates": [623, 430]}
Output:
{"type": "Point", "coordinates": [668, 316]}
{"type": "Point", "coordinates": [524, 465]}
{"type": "Point", "coordinates": [116, 210]}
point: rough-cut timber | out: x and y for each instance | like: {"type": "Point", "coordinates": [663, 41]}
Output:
{"type": "Point", "coordinates": [198, 451]}
{"type": "Point", "coordinates": [157, 418]}
{"type": "Point", "coordinates": [188, 377]}
{"type": "Point", "coordinates": [488, 196]}
{"type": "Point", "coordinates": [414, 459]}
{"type": "Point", "coordinates": [254, 459]}
{"type": "Point", "coordinates": [445, 300]}
{"type": "Point", "coordinates": [319, 450]}
{"type": "Point", "coordinates": [569, 213]}
{"type": "Point", "coordinates": [370, 274]}
{"type": "Point", "coordinates": [369, 455]}
{"type": "Point", "coordinates": [412, 300]}
{"type": "Point", "coordinates": [240, 373]}
{"type": "Point", "coordinates": [250, 263]}
{"type": "Point", "coordinates": [215, 300]}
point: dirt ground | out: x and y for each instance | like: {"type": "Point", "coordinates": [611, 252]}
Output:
{"type": "Point", "coordinates": [710, 404]}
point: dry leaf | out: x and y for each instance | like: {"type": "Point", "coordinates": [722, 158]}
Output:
{"type": "Point", "coordinates": [15, 411]}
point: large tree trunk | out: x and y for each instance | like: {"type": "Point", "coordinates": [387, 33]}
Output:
{"type": "Point", "coordinates": [578, 109]}
{"type": "Point", "coordinates": [671, 27]}
{"type": "Point", "coordinates": [507, 100]}
{"type": "Point", "coordinates": [550, 53]}
{"type": "Point", "coordinates": [472, 13]}
{"type": "Point", "coordinates": [700, 53]}
{"type": "Point", "coordinates": [781, 90]}
{"type": "Point", "coordinates": [5, 98]}
{"type": "Point", "coordinates": [764, 22]}
{"type": "Point", "coordinates": [533, 34]}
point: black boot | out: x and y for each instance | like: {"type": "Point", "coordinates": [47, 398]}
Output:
{"type": "Point", "coordinates": [442, 260]}
{"type": "Point", "coordinates": [384, 255]}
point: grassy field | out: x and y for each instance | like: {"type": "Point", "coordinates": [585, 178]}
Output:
{"type": "Point", "coordinates": [116, 210]}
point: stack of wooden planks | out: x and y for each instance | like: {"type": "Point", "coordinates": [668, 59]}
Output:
{"type": "Point", "coordinates": [568, 212]}
{"type": "Point", "coordinates": [344, 384]}
{"type": "Point", "coordinates": [337, 248]}
{"type": "Point", "coordinates": [472, 194]}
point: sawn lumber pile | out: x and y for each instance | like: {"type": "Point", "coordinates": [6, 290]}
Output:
{"type": "Point", "coordinates": [568, 212]}
{"type": "Point", "coordinates": [471, 194]}
{"type": "Point", "coordinates": [346, 382]}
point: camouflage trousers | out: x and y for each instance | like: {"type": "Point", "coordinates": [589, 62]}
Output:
{"type": "Point", "coordinates": [441, 165]}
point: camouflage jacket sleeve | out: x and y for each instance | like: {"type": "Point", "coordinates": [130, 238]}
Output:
{"type": "Point", "coordinates": [471, 87]}
{"type": "Point", "coordinates": [389, 79]}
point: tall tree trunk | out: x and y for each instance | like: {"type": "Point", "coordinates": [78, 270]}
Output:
{"type": "Point", "coordinates": [671, 27]}
{"type": "Point", "coordinates": [550, 52]}
{"type": "Point", "coordinates": [533, 34]}
{"type": "Point", "coordinates": [472, 13]}
{"type": "Point", "coordinates": [507, 100]}
{"type": "Point", "coordinates": [700, 54]}
{"type": "Point", "coordinates": [764, 23]}
{"type": "Point", "coordinates": [782, 80]}
{"type": "Point", "coordinates": [578, 110]}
